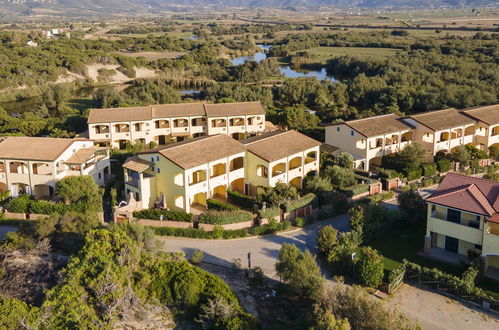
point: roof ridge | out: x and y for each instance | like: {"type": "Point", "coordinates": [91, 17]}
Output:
{"type": "Point", "coordinates": [432, 111]}
{"type": "Point", "coordinates": [472, 177]}
{"type": "Point", "coordinates": [271, 136]}
{"type": "Point", "coordinates": [450, 191]}
{"type": "Point", "coordinates": [374, 117]}
{"type": "Point", "coordinates": [480, 202]}
{"type": "Point", "coordinates": [192, 141]}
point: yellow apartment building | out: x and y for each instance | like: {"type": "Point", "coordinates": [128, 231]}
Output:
{"type": "Point", "coordinates": [463, 217]}
{"type": "Point", "coordinates": [486, 126]}
{"type": "Point", "coordinates": [369, 139]}
{"type": "Point", "coordinates": [281, 156]}
{"type": "Point", "coordinates": [167, 123]}
{"type": "Point", "coordinates": [183, 175]}
{"type": "Point", "coordinates": [33, 165]}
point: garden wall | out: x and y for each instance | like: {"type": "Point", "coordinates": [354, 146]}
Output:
{"type": "Point", "coordinates": [17, 216]}
{"type": "Point", "coordinates": [232, 226]}
{"type": "Point", "coordinates": [165, 223]}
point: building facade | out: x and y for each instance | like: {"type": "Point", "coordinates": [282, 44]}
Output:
{"type": "Point", "coordinates": [33, 165]}
{"type": "Point", "coordinates": [463, 219]}
{"type": "Point", "coordinates": [441, 131]}
{"type": "Point", "coordinates": [168, 123]}
{"type": "Point", "coordinates": [183, 175]}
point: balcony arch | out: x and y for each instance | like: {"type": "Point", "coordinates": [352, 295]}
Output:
{"type": "Point", "coordinates": [444, 136]}
{"type": "Point", "coordinates": [198, 176]}
{"type": "Point", "coordinates": [218, 123]}
{"type": "Point", "coordinates": [262, 171]}
{"type": "Point", "coordinates": [297, 182]}
{"type": "Point", "coordinates": [393, 139]}
{"type": "Point", "coordinates": [218, 169]}
{"type": "Point", "coordinates": [41, 169]}
{"type": "Point", "coordinates": [43, 191]}
{"type": "Point", "coordinates": [19, 188]}
{"type": "Point", "coordinates": [495, 130]}
{"type": "Point", "coordinates": [237, 185]}
{"type": "Point", "coordinates": [238, 121]}
{"type": "Point", "coordinates": [407, 136]}
{"type": "Point", "coordinates": [311, 157]}
{"type": "Point", "coordinates": [122, 128]}
{"type": "Point", "coordinates": [295, 163]}
{"type": "Point", "coordinates": [278, 169]}
{"type": "Point", "coordinates": [378, 143]}
{"type": "Point", "coordinates": [181, 122]}
{"type": "Point", "coordinates": [220, 192]}
{"type": "Point", "coordinates": [101, 129]}
{"type": "Point", "coordinates": [158, 124]}
{"type": "Point", "coordinates": [457, 133]}
{"type": "Point", "coordinates": [18, 167]}
{"type": "Point", "coordinates": [237, 163]}
{"type": "Point", "coordinates": [122, 144]}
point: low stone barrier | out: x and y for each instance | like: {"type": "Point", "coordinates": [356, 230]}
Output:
{"type": "Point", "coordinates": [34, 216]}
{"type": "Point", "coordinates": [16, 216]}
{"type": "Point", "coordinates": [231, 226]}
{"type": "Point", "coordinates": [165, 223]}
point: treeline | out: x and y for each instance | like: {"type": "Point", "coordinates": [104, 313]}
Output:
{"type": "Point", "coordinates": [219, 30]}
{"type": "Point", "coordinates": [134, 29]}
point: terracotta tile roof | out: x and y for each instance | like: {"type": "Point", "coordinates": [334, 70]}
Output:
{"type": "Point", "coordinates": [191, 153]}
{"type": "Point", "coordinates": [467, 193]}
{"type": "Point", "coordinates": [136, 164]}
{"type": "Point", "coordinates": [279, 144]}
{"type": "Point", "coordinates": [378, 125]}
{"type": "Point", "coordinates": [443, 119]}
{"type": "Point", "coordinates": [494, 218]}
{"type": "Point", "coordinates": [234, 109]}
{"type": "Point", "coordinates": [34, 148]}
{"type": "Point", "coordinates": [488, 114]}
{"type": "Point", "coordinates": [82, 155]}
{"type": "Point", "coordinates": [110, 115]}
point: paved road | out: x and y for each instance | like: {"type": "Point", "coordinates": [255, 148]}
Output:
{"type": "Point", "coordinates": [264, 250]}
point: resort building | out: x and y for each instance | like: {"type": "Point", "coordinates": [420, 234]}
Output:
{"type": "Point", "coordinates": [33, 165]}
{"type": "Point", "coordinates": [487, 125]}
{"type": "Point", "coordinates": [183, 175]}
{"type": "Point", "coordinates": [168, 123]}
{"type": "Point", "coordinates": [463, 219]}
{"type": "Point", "coordinates": [281, 156]}
{"type": "Point", "coordinates": [368, 139]}
{"type": "Point", "coordinates": [442, 130]}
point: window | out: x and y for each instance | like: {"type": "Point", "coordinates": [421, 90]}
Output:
{"type": "Point", "coordinates": [157, 158]}
{"type": "Point", "coordinates": [152, 159]}
{"type": "Point", "coordinates": [100, 176]}
{"type": "Point", "coordinates": [352, 133]}
{"type": "Point", "coordinates": [453, 216]}
{"type": "Point", "coordinates": [474, 224]}
{"type": "Point", "coordinates": [158, 170]}
{"type": "Point", "coordinates": [338, 128]}
{"type": "Point", "coordinates": [478, 246]}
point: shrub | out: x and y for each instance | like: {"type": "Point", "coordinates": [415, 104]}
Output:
{"type": "Point", "coordinates": [356, 189]}
{"type": "Point", "coordinates": [270, 212]}
{"type": "Point", "coordinates": [271, 227]}
{"type": "Point", "coordinates": [327, 238]}
{"type": "Point", "coordinates": [413, 173]}
{"type": "Point", "coordinates": [197, 257]}
{"type": "Point", "coordinates": [427, 182]}
{"type": "Point", "coordinates": [340, 177]}
{"type": "Point", "coordinates": [241, 200]}
{"type": "Point", "coordinates": [198, 233]}
{"type": "Point", "coordinates": [299, 222]}
{"type": "Point", "coordinates": [443, 165]}
{"type": "Point", "coordinates": [220, 206]}
{"type": "Point", "coordinates": [382, 196]}
{"type": "Point", "coordinates": [369, 267]}
{"type": "Point", "coordinates": [280, 194]}
{"type": "Point", "coordinates": [43, 207]}
{"type": "Point", "coordinates": [308, 199]}
{"type": "Point", "coordinates": [237, 233]}
{"type": "Point", "coordinates": [19, 204]}
{"type": "Point", "coordinates": [429, 169]}
{"type": "Point", "coordinates": [155, 214]}
{"type": "Point", "coordinates": [225, 217]}
{"type": "Point", "coordinates": [81, 188]}
{"type": "Point", "coordinates": [218, 232]}
{"type": "Point", "coordinates": [413, 204]}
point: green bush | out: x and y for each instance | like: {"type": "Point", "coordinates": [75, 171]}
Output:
{"type": "Point", "coordinates": [19, 204]}
{"type": "Point", "coordinates": [427, 182]}
{"type": "Point", "coordinates": [270, 212]}
{"type": "Point", "coordinates": [218, 231]}
{"type": "Point", "coordinates": [155, 214]}
{"type": "Point", "coordinates": [414, 173]}
{"type": "Point", "coordinates": [443, 165]}
{"type": "Point", "coordinates": [382, 196]}
{"type": "Point", "coordinates": [43, 207]}
{"type": "Point", "coordinates": [299, 222]}
{"type": "Point", "coordinates": [198, 233]}
{"type": "Point", "coordinates": [369, 267]}
{"type": "Point", "coordinates": [308, 199]}
{"type": "Point", "coordinates": [237, 233]}
{"type": "Point", "coordinates": [197, 257]}
{"type": "Point", "coordinates": [356, 189]}
{"type": "Point", "coordinates": [220, 206]}
{"type": "Point", "coordinates": [225, 217]}
{"type": "Point", "coordinates": [241, 200]}
{"type": "Point", "coordinates": [327, 238]}
{"type": "Point", "coordinates": [271, 228]}
{"type": "Point", "coordinates": [429, 169]}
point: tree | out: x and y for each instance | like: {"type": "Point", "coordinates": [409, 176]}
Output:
{"type": "Point", "coordinates": [299, 118]}
{"type": "Point", "coordinates": [413, 204]}
{"type": "Point", "coordinates": [327, 238]}
{"type": "Point", "coordinates": [279, 194]}
{"type": "Point", "coordinates": [413, 154]}
{"type": "Point", "coordinates": [462, 155]}
{"type": "Point", "coordinates": [319, 186]}
{"type": "Point", "coordinates": [494, 152]}
{"type": "Point", "coordinates": [81, 188]}
{"type": "Point", "coordinates": [369, 267]}
{"type": "Point", "coordinates": [300, 271]}
{"type": "Point", "coordinates": [341, 177]}
{"type": "Point", "coordinates": [14, 313]}
{"type": "Point", "coordinates": [345, 160]}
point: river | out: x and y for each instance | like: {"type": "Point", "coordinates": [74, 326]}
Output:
{"type": "Point", "coordinates": [286, 70]}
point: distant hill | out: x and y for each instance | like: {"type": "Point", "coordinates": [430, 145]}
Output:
{"type": "Point", "coordinates": [115, 6]}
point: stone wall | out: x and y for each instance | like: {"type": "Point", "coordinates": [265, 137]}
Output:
{"type": "Point", "coordinates": [232, 226]}
{"type": "Point", "coordinates": [165, 223]}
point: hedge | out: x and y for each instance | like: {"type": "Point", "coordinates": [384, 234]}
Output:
{"type": "Point", "coordinates": [241, 200]}
{"type": "Point", "coordinates": [382, 196]}
{"type": "Point", "coordinates": [429, 169]}
{"type": "Point", "coordinates": [443, 165]}
{"type": "Point", "coordinates": [213, 204]}
{"type": "Point", "coordinates": [213, 217]}
{"type": "Point", "coordinates": [16, 222]}
{"type": "Point", "coordinates": [458, 285]}
{"type": "Point", "coordinates": [26, 204]}
{"type": "Point", "coordinates": [270, 212]}
{"type": "Point", "coordinates": [356, 189]}
{"type": "Point", "coordinates": [414, 173]}
{"type": "Point", "coordinates": [308, 199]}
{"type": "Point", "coordinates": [271, 228]}
{"type": "Point", "coordinates": [198, 233]}
{"type": "Point", "coordinates": [155, 214]}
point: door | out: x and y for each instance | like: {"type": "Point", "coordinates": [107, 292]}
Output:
{"type": "Point", "coordinates": [451, 244]}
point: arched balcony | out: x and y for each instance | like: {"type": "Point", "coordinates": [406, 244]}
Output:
{"type": "Point", "coordinates": [158, 124]}
{"type": "Point", "coordinates": [41, 169]}
{"type": "Point", "coordinates": [495, 131]}
{"type": "Point", "coordinates": [394, 139]}
{"type": "Point", "coordinates": [122, 128]}
{"type": "Point", "coordinates": [180, 123]}
{"type": "Point", "coordinates": [378, 143]}
{"type": "Point", "coordinates": [218, 169]}
{"type": "Point", "coordinates": [137, 127]}
{"type": "Point", "coordinates": [311, 157]}
{"type": "Point", "coordinates": [237, 163]}
{"type": "Point", "coordinates": [236, 121]}
{"type": "Point", "coordinates": [197, 177]}
{"type": "Point", "coordinates": [18, 168]}
{"type": "Point", "coordinates": [444, 136]}
{"type": "Point", "coordinates": [218, 123]}
{"type": "Point", "coordinates": [278, 169]}
{"type": "Point", "coordinates": [407, 136]}
{"type": "Point", "coordinates": [101, 129]}
{"type": "Point", "coordinates": [295, 163]}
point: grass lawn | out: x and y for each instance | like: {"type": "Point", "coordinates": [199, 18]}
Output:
{"type": "Point", "coordinates": [324, 54]}
{"type": "Point", "coordinates": [407, 244]}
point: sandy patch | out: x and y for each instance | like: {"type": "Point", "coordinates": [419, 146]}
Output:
{"type": "Point", "coordinates": [145, 73]}
{"type": "Point", "coordinates": [151, 56]}
{"type": "Point", "coordinates": [93, 72]}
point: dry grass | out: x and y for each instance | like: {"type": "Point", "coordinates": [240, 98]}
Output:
{"type": "Point", "coordinates": [151, 56]}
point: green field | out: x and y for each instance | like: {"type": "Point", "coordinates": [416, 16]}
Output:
{"type": "Point", "coordinates": [324, 54]}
